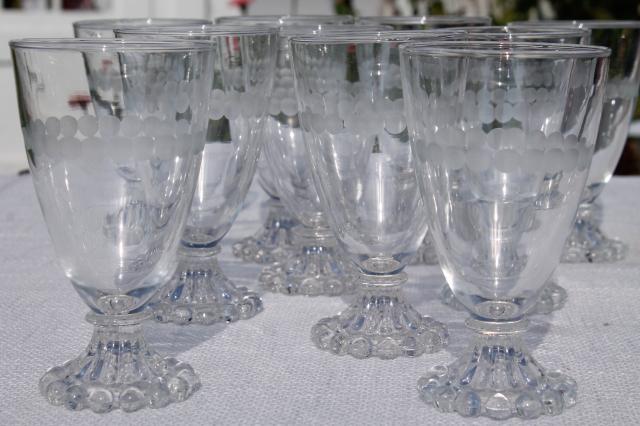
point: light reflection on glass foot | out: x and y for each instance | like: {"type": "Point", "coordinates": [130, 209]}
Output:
{"type": "Point", "coordinates": [552, 298]}
{"type": "Point", "coordinates": [497, 377]}
{"type": "Point", "coordinates": [118, 371]}
{"type": "Point", "coordinates": [313, 270]}
{"type": "Point", "coordinates": [272, 242]}
{"type": "Point", "coordinates": [379, 323]}
{"type": "Point", "coordinates": [201, 293]}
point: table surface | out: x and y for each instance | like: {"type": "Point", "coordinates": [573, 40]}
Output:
{"type": "Point", "coordinates": [266, 371]}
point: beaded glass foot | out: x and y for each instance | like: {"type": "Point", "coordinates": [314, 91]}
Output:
{"type": "Point", "coordinates": [272, 241]}
{"type": "Point", "coordinates": [201, 293]}
{"type": "Point", "coordinates": [379, 323]}
{"type": "Point", "coordinates": [426, 253]}
{"type": "Point", "coordinates": [552, 298]}
{"type": "Point", "coordinates": [497, 377]}
{"type": "Point", "coordinates": [118, 371]}
{"type": "Point", "coordinates": [587, 243]}
{"type": "Point", "coordinates": [314, 268]}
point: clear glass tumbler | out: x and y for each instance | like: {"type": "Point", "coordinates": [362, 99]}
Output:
{"type": "Point", "coordinates": [587, 243]}
{"type": "Point", "coordinates": [116, 242]}
{"type": "Point", "coordinates": [315, 266]}
{"type": "Point", "coordinates": [553, 296]}
{"type": "Point", "coordinates": [103, 72]}
{"type": "Point", "coordinates": [244, 66]}
{"type": "Point", "coordinates": [274, 240]}
{"type": "Point", "coordinates": [352, 115]}
{"type": "Point", "coordinates": [426, 253]}
{"type": "Point", "coordinates": [483, 167]}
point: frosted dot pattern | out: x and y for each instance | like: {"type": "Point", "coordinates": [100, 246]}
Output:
{"type": "Point", "coordinates": [283, 100]}
{"type": "Point", "coordinates": [232, 104]}
{"type": "Point", "coordinates": [505, 150]}
{"type": "Point", "coordinates": [506, 131]}
{"type": "Point", "coordinates": [350, 109]}
{"type": "Point", "coordinates": [94, 141]}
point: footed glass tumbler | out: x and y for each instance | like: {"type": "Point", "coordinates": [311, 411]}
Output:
{"type": "Point", "coordinates": [552, 297]}
{"type": "Point", "coordinates": [116, 242]}
{"type": "Point", "coordinates": [274, 240]}
{"type": "Point", "coordinates": [244, 65]}
{"type": "Point", "coordinates": [484, 182]}
{"type": "Point", "coordinates": [351, 110]}
{"type": "Point", "coordinates": [315, 266]}
{"type": "Point", "coordinates": [587, 242]}
{"type": "Point", "coordinates": [426, 253]}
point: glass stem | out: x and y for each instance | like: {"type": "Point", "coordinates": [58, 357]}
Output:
{"type": "Point", "coordinates": [487, 327]}
{"type": "Point", "coordinates": [370, 283]}
{"type": "Point", "coordinates": [589, 215]}
{"type": "Point", "coordinates": [319, 235]}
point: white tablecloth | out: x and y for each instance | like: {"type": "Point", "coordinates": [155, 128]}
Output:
{"type": "Point", "coordinates": [266, 370]}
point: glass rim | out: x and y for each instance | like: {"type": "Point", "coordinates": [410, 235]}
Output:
{"type": "Point", "coordinates": [284, 19]}
{"type": "Point", "coordinates": [510, 49]}
{"type": "Point", "coordinates": [381, 36]}
{"type": "Point", "coordinates": [522, 31]}
{"type": "Point", "coordinates": [307, 18]}
{"type": "Point", "coordinates": [230, 18]}
{"type": "Point", "coordinates": [417, 20]}
{"type": "Point", "coordinates": [355, 36]}
{"type": "Point", "coordinates": [579, 23]}
{"type": "Point", "coordinates": [327, 30]}
{"type": "Point", "coordinates": [106, 24]}
{"type": "Point", "coordinates": [110, 45]}
{"type": "Point", "coordinates": [207, 29]}
{"type": "Point", "coordinates": [604, 24]}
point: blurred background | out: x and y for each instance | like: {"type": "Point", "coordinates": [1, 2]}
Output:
{"type": "Point", "coordinates": [53, 18]}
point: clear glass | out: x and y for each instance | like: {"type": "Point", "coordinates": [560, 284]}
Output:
{"type": "Point", "coordinates": [280, 20]}
{"type": "Point", "coordinates": [314, 266]}
{"type": "Point", "coordinates": [587, 243]}
{"type": "Point", "coordinates": [115, 192]}
{"type": "Point", "coordinates": [425, 253]}
{"type": "Point", "coordinates": [103, 28]}
{"type": "Point", "coordinates": [274, 240]}
{"type": "Point", "coordinates": [351, 110]}
{"type": "Point", "coordinates": [103, 73]}
{"type": "Point", "coordinates": [244, 67]}
{"type": "Point", "coordinates": [425, 22]}
{"type": "Point", "coordinates": [552, 297]}
{"type": "Point", "coordinates": [489, 122]}
{"type": "Point", "coordinates": [527, 34]}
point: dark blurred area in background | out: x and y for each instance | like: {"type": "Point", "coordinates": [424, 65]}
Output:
{"type": "Point", "coordinates": [48, 4]}
{"type": "Point", "coordinates": [504, 11]}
